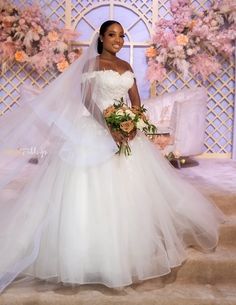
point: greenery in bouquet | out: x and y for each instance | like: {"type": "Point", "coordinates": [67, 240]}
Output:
{"type": "Point", "coordinates": [192, 41]}
{"type": "Point", "coordinates": [125, 120]}
{"type": "Point", "coordinates": [28, 36]}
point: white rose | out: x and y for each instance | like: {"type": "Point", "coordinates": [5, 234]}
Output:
{"type": "Point", "coordinates": [190, 52]}
{"type": "Point", "coordinates": [130, 113]}
{"type": "Point", "coordinates": [141, 125]}
{"type": "Point", "coordinates": [120, 112]}
{"type": "Point", "coordinates": [61, 46]}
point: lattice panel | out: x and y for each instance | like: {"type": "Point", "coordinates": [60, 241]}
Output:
{"type": "Point", "coordinates": [221, 92]}
{"type": "Point", "coordinates": [143, 9]}
{"type": "Point", "coordinates": [15, 76]}
{"type": "Point", "coordinates": [54, 9]}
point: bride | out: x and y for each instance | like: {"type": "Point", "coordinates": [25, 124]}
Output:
{"type": "Point", "coordinates": [84, 214]}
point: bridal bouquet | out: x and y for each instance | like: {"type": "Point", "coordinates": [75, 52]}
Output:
{"type": "Point", "coordinates": [126, 121]}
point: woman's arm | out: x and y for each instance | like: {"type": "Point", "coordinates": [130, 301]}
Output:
{"type": "Point", "coordinates": [133, 93]}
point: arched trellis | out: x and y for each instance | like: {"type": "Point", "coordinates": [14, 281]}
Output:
{"type": "Point", "coordinates": [221, 104]}
{"type": "Point", "coordinates": [140, 16]}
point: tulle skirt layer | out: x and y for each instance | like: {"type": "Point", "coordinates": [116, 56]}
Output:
{"type": "Point", "coordinates": [129, 218]}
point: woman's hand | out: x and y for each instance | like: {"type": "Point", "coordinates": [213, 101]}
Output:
{"type": "Point", "coordinates": [132, 134]}
{"type": "Point", "coordinates": [120, 137]}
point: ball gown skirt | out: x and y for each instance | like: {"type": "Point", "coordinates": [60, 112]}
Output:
{"type": "Point", "coordinates": [115, 222]}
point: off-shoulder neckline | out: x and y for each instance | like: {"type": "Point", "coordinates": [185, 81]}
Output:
{"type": "Point", "coordinates": [110, 70]}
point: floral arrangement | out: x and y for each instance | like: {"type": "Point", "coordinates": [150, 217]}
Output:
{"type": "Point", "coordinates": [27, 36]}
{"type": "Point", "coordinates": [190, 42]}
{"type": "Point", "coordinates": [119, 117]}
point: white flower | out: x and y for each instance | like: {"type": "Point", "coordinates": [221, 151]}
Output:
{"type": "Point", "coordinates": [190, 52]}
{"type": "Point", "coordinates": [162, 57]}
{"type": "Point", "coordinates": [182, 65]}
{"type": "Point", "coordinates": [61, 46]}
{"type": "Point", "coordinates": [140, 124]}
{"type": "Point", "coordinates": [176, 154]}
{"type": "Point", "coordinates": [130, 113]}
{"type": "Point", "coordinates": [120, 112]}
{"type": "Point", "coordinates": [29, 37]}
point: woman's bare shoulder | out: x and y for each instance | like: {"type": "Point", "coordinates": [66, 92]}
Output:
{"type": "Point", "coordinates": [125, 65]}
{"type": "Point", "coordinates": [118, 64]}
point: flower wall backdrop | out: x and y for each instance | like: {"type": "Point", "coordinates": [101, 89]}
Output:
{"type": "Point", "coordinates": [28, 36]}
{"type": "Point", "coordinates": [191, 41]}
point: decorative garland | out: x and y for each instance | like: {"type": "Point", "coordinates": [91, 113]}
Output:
{"type": "Point", "coordinates": [190, 42]}
{"type": "Point", "coordinates": [27, 36]}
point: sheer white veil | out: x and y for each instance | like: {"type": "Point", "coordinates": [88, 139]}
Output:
{"type": "Point", "coordinates": [51, 122]}
{"type": "Point", "coordinates": [63, 121]}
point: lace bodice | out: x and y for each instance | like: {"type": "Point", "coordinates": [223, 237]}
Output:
{"type": "Point", "coordinates": [110, 85]}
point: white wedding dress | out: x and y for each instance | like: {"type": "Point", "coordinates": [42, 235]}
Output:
{"type": "Point", "coordinates": [112, 222]}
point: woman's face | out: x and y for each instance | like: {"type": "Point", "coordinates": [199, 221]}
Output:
{"type": "Point", "coordinates": [113, 39]}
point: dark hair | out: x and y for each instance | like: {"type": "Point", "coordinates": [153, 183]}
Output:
{"type": "Point", "coordinates": [102, 31]}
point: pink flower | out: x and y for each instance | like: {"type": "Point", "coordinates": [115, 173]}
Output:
{"type": "Point", "coordinates": [44, 43]}
{"type": "Point", "coordinates": [204, 65]}
{"type": "Point", "coordinates": [39, 62]}
{"type": "Point", "coordinates": [8, 50]}
{"type": "Point", "coordinates": [22, 21]}
{"type": "Point", "coordinates": [68, 35]}
{"type": "Point", "coordinates": [72, 56]}
{"type": "Point", "coordinates": [201, 31]}
{"type": "Point", "coordinates": [53, 36]}
{"type": "Point", "coordinates": [58, 58]}
{"type": "Point", "coordinates": [226, 6]}
{"type": "Point", "coordinates": [155, 71]}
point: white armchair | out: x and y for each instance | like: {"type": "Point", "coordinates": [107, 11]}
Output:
{"type": "Point", "coordinates": [181, 120]}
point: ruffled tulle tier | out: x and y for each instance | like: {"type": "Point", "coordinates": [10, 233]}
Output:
{"type": "Point", "coordinates": [129, 218]}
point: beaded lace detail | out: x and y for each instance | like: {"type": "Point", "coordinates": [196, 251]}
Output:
{"type": "Point", "coordinates": [111, 85]}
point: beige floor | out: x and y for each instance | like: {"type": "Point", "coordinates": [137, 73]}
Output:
{"type": "Point", "coordinates": [204, 279]}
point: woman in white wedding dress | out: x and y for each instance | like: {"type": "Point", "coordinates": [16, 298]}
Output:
{"type": "Point", "coordinates": [84, 214]}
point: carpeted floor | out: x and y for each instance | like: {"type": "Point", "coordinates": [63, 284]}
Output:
{"type": "Point", "coordinates": [204, 279]}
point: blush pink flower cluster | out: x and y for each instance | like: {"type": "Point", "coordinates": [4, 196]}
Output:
{"type": "Point", "coordinates": [27, 36]}
{"type": "Point", "coordinates": [190, 42]}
